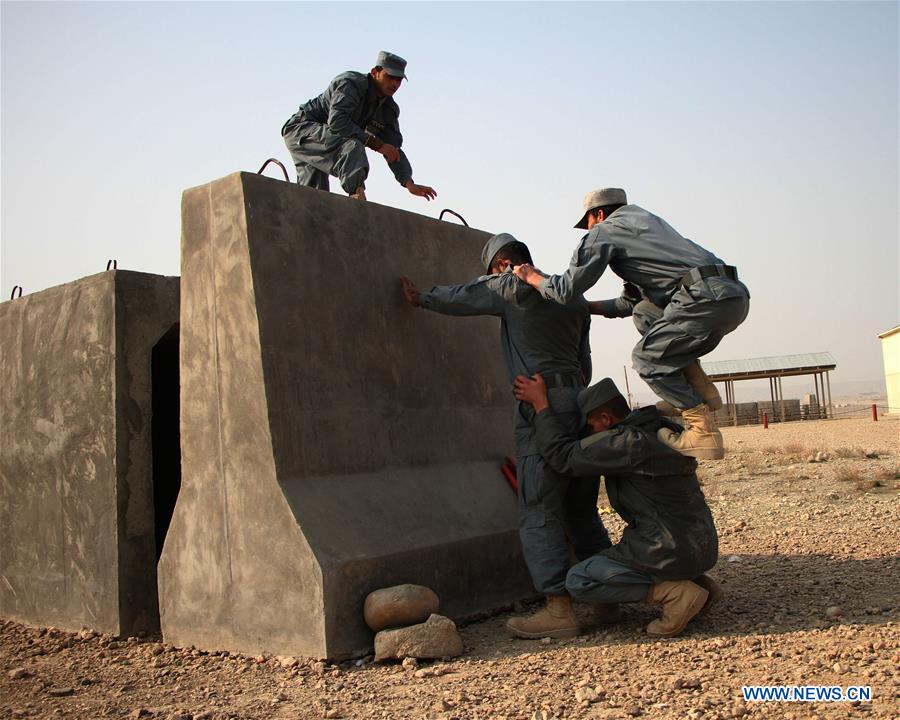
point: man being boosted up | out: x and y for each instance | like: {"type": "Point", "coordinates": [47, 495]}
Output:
{"type": "Point", "coordinates": [698, 300]}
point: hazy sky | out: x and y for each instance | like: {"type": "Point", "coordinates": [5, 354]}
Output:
{"type": "Point", "coordinates": [767, 132]}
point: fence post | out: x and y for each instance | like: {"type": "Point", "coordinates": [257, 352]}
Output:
{"type": "Point", "coordinates": [765, 421]}
{"type": "Point", "coordinates": [874, 413]}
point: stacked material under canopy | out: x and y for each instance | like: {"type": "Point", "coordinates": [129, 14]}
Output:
{"type": "Point", "coordinates": [334, 439]}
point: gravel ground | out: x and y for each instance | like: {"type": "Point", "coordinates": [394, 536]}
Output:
{"type": "Point", "coordinates": [808, 523]}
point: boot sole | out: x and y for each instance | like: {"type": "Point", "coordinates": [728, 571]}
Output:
{"type": "Point", "coordinates": [563, 634]}
{"type": "Point", "coordinates": [703, 453]}
{"type": "Point", "coordinates": [692, 612]}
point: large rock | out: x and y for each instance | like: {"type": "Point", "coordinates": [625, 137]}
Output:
{"type": "Point", "coordinates": [437, 637]}
{"type": "Point", "coordinates": [399, 605]}
{"type": "Point", "coordinates": [335, 440]}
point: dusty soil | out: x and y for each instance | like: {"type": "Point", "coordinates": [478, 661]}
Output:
{"type": "Point", "coordinates": [809, 561]}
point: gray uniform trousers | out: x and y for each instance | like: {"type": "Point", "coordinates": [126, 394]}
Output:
{"type": "Point", "coordinates": [554, 507]}
{"type": "Point", "coordinates": [318, 153]}
{"type": "Point", "coordinates": [601, 579]}
{"type": "Point", "coordinates": [689, 327]}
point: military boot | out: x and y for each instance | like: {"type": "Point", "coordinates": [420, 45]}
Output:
{"type": "Point", "coordinates": [556, 620]}
{"type": "Point", "coordinates": [607, 613]}
{"type": "Point", "coordinates": [359, 194]}
{"type": "Point", "coordinates": [704, 387]}
{"type": "Point", "coordinates": [681, 600]}
{"type": "Point", "coordinates": [700, 439]}
{"type": "Point", "coordinates": [713, 588]}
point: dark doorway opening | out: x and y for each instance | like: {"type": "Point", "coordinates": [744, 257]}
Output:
{"type": "Point", "coordinates": [165, 431]}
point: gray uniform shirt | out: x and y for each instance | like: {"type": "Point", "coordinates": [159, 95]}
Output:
{"type": "Point", "coordinates": [537, 336]}
{"type": "Point", "coordinates": [643, 249]}
{"type": "Point", "coordinates": [349, 108]}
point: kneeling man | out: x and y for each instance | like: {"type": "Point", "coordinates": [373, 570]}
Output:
{"type": "Point", "coordinates": [670, 540]}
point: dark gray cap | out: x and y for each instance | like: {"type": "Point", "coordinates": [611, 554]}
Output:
{"type": "Point", "coordinates": [599, 198]}
{"type": "Point", "coordinates": [393, 64]}
{"type": "Point", "coordinates": [596, 395]}
{"type": "Point", "coordinates": [494, 244]}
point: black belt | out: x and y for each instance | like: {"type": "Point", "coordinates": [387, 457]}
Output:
{"type": "Point", "coordinates": [698, 274]}
{"type": "Point", "coordinates": [557, 380]}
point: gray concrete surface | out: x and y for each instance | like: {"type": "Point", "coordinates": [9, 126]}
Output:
{"type": "Point", "coordinates": [334, 440]}
{"type": "Point", "coordinates": [77, 540]}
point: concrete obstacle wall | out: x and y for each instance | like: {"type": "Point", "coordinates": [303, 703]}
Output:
{"type": "Point", "coordinates": [334, 440]}
{"type": "Point", "coordinates": [78, 542]}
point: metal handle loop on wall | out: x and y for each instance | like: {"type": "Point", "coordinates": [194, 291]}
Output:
{"type": "Point", "coordinates": [455, 214]}
{"type": "Point", "coordinates": [278, 163]}
{"type": "Point", "coordinates": [13, 294]}
{"type": "Point", "coordinates": [112, 264]}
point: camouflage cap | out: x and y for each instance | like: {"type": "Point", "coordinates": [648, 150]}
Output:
{"type": "Point", "coordinates": [599, 198]}
{"type": "Point", "coordinates": [393, 65]}
{"type": "Point", "coordinates": [596, 395]}
{"type": "Point", "coordinates": [494, 244]}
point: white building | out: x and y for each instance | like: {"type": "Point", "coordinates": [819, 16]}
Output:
{"type": "Point", "coordinates": [890, 348]}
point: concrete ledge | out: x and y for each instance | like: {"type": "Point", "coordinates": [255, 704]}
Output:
{"type": "Point", "coordinates": [334, 440]}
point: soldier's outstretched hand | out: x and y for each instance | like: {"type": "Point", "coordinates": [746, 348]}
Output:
{"type": "Point", "coordinates": [410, 292]}
{"type": "Point", "coordinates": [532, 390]}
{"type": "Point", "coordinates": [421, 190]}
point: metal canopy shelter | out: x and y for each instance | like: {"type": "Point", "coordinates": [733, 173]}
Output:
{"type": "Point", "coordinates": [773, 369]}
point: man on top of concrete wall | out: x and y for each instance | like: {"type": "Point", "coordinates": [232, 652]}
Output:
{"type": "Point", "coordinates": [670, 540]}
{"type": "Point", "coordinates": [545, 337]}
{"type": "Point", "coordinates": [699, 297]}
{"type": "Point", "coordinates": [329, 134]}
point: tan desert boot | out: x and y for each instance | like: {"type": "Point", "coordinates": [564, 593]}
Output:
{"type": "Point", "coordinates": [607, 613]}
{"type": "Point", "coordinates": [360, 193]}
{"type": "Point", "coordinates": [700, 439]}
{"type": "Point", "coordinates": [705, 387]}
{"type": "Point", "coordinates": [681, 600]}
{"type": "Point", "coordinates": [713, 588]}
{"type": "Point", "coordinates": [556, 620]}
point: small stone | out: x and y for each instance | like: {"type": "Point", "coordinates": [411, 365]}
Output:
{"type": "Point", "coordinates": [319, 668]}
{"type": "Point", "coordinates": [435, 638]}
{"type": "Point", "coordinates": [332, 713]}
{"type": "Point", "coordinates": [409, 662]}
{"type": "Point", "coordinates": [288, 662]}
{"type": "Point", "coordinates": [586, 695]}
{"type": "Point", "coordinates": [424, 673]}
{"type": "Point", "coordinates": [735, 559]}
{"type": "Point", "coordinates": [634, 711]}
{"type": "Point", "coordinates": [18, 673]}
{"type": "Point", "coordinates": [61, 691]}
{"type": "Point", "coordinates": [139, 713]}
{"type": "Point", "coordinates": [546, 641]}
{"type": "Point", "coordinates": [835, 611]}
{"type": "Point", "coordinates": [399, 606]}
